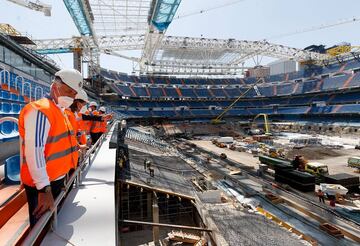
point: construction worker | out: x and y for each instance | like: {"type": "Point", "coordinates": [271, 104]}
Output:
{"type": "Point", "coordinates": [92, 111]}
{"type": "Point", "coordinates": [98, 128]}
{"type": "Point", "coordinates": [321, 196]}
{"type": "Point", "coordinates": [48, 145]}
{"type": "Point", "coordinates": [103, 124]}
{"type": "Point", "coordinates": [78, 118]}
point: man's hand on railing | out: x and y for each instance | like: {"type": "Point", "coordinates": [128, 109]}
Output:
{"type": "Point", "coordinates": [83, 148]}
{"type": "Point", "coordinates": [45, 203]}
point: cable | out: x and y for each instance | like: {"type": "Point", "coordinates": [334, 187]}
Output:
{"type": "Point", "coordinates": [315, 28]}
{"type": "Point", "coordinates": [201, 11]}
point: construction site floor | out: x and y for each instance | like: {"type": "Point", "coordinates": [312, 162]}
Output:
{"type": "Point", "coordinates": [241, 157]}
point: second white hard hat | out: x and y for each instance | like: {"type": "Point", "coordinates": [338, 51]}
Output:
{"type": "Point", "coordinates": [82, 96]}
{"type": "Point", "coordinates": [93, 104]}
{"type": "Point", "coordinates": [71, 77]}
{"type": "Point", "coordinates": [102, 109]}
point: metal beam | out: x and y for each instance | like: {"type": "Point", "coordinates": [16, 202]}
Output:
{"type": "Point", "coordinates": [165, 54]}
{"type": "Point", "coordinates": [191, 228]}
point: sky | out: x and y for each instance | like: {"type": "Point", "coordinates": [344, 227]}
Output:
{"type": "Point", "coordinates": [244, 20]}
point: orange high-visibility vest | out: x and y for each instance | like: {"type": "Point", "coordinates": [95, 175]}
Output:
{"type": "Point", "coordinates": [72, 119]}
{"type": "Point", "coordinates": [76, 124]}
{"type": "Point", "coordinates": [82, 128]}
{"type": "Point", "coordinates": [96, 126]}
{"type": "Point", "coordinates": [103, 126]}
{"type": "Point", "coordinates": [61, 146]}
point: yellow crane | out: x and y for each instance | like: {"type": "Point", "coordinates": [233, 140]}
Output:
{"type": "Point", "coordinates": [218, 119]}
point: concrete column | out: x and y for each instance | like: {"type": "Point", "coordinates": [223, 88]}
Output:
{"type": "Point", "coordinates": [155, 209]}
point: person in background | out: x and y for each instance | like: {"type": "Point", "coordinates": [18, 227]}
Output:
{"type": "Point", "coordinates": [332, 202]}
{"type": "Point", "coordinates": [79, 119]}
{"type": "Point", "coordinates": [48, 145]}
{"type": "Point", "coordinates": [90, 126]}
{"type": "Point", "coordinates": [104, 123]}
{"type": "Point", "coordinates": [321, 196]}
{"type": "Point", "coordinates": [98, 128]}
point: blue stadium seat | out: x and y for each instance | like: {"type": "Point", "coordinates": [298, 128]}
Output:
{"type": "Point", "coordinates": [21, 99]}
{"type": "Point", "coordinates": [5, 107]}
{"type": "Point", "coordinates": [14, 97]}
{"type": "Point", "coordinates": [5, 95]}
{"type": "Point", "coordinates": [12, 170]}
{"type": "Point", "coordinates": [7, 127]}
{"type": "Point", "coordinates": [15, 108]}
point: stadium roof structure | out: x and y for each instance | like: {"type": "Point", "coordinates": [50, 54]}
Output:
{"type": "Point", "coordinates": [113, 26]}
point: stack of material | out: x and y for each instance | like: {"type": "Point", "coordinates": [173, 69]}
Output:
{"type": "Point", "coordinates": [180, 236]}
{"type": "Point", "coordinates": [351, 182]}
{"type": "Point", "coordinates": [299, 180]}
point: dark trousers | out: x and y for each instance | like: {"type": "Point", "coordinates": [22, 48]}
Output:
{"type": "Point", "coordinates": [95, 136]}
{"type": "Point", "coordinates": [32, 197]}
{"type": "Point", "coordinates": [321, 199]}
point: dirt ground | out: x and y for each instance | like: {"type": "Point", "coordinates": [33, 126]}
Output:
{"type": "Point", "coordinates": [336, 159]}
{"type": "Point", "coordinates": [242, 157]}
{"type": "Point", "coordinates": [315, 153]}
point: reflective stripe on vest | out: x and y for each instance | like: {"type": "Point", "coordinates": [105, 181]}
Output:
{"type": "Point", "coordinates": [60, 150]}
{"type": "Point", "coordinates": [54, 139]}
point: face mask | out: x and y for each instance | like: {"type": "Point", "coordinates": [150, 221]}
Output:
{"type": "Point", "coordinates": [65, 101]}
{"type": "Point", "coordinates": [83, 110]}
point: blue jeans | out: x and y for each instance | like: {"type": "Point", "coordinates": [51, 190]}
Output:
{"type": "Point", "coordinates": [32, 197]}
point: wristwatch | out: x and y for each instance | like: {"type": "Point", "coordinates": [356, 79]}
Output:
{"type": "Point", "coordinates": [46, 189]}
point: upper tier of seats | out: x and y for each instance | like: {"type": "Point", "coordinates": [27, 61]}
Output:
{"type": "Point", "coordinates": [334, 82]}
{"type": "Point", "coordinates": [307, 73]}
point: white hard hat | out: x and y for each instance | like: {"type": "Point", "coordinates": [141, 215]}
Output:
{"type": "Point", "coordinates": [82, 96]}
{"type": "Point", "coordinates": [93, 104]}
{"type": "Point", "coordinates": [71, 77]}
{"type": "Point", "coordinates": [102, 109]}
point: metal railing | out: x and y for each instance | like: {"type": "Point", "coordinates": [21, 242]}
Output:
{"type": "Point", "coordinates": [35, 232]}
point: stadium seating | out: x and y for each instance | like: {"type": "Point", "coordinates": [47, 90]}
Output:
{"type": "Point", "coordinates": [12, 170]}
{"type": "Point", "coordinates": [13, 99]}
{"type": "Point", "coordinates": [316, 90]}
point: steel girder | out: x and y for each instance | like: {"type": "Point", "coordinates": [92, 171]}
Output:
{"type": "Point", "coordinates": [184, 52]}
{"type": "Point", "coordinates": [241, 47]}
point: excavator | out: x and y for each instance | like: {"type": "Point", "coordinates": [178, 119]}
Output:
{"type": "Point", "coordinates": [266, 123]}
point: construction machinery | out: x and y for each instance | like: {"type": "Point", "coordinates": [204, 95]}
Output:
{"type": "Point", "coordinates": [266, 123]}
{"type": "Point", "coordinates": [318, 170]}
{"type": "Point", "coordinates": [218, 119]}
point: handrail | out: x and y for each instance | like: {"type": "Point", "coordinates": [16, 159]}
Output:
{"type": "Point", "coordinates": [44, 219]}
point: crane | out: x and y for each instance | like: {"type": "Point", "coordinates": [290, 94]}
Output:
{"type": "Point", "coordinates": [218, 119]}
{"type": "Point", "coordinates": [34, 5]}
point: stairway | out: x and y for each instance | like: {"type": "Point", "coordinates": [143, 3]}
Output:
{"type": "Point", "coordinates": [14, 218]}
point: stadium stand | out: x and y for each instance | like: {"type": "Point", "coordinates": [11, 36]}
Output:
{"type": "Point", "coordinates": [320, 90]}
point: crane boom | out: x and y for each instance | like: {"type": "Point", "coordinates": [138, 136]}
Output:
{"type": "Point", "coordinates": [34, 5]}
{"type": "Point", "coordinates": [218, 119]}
